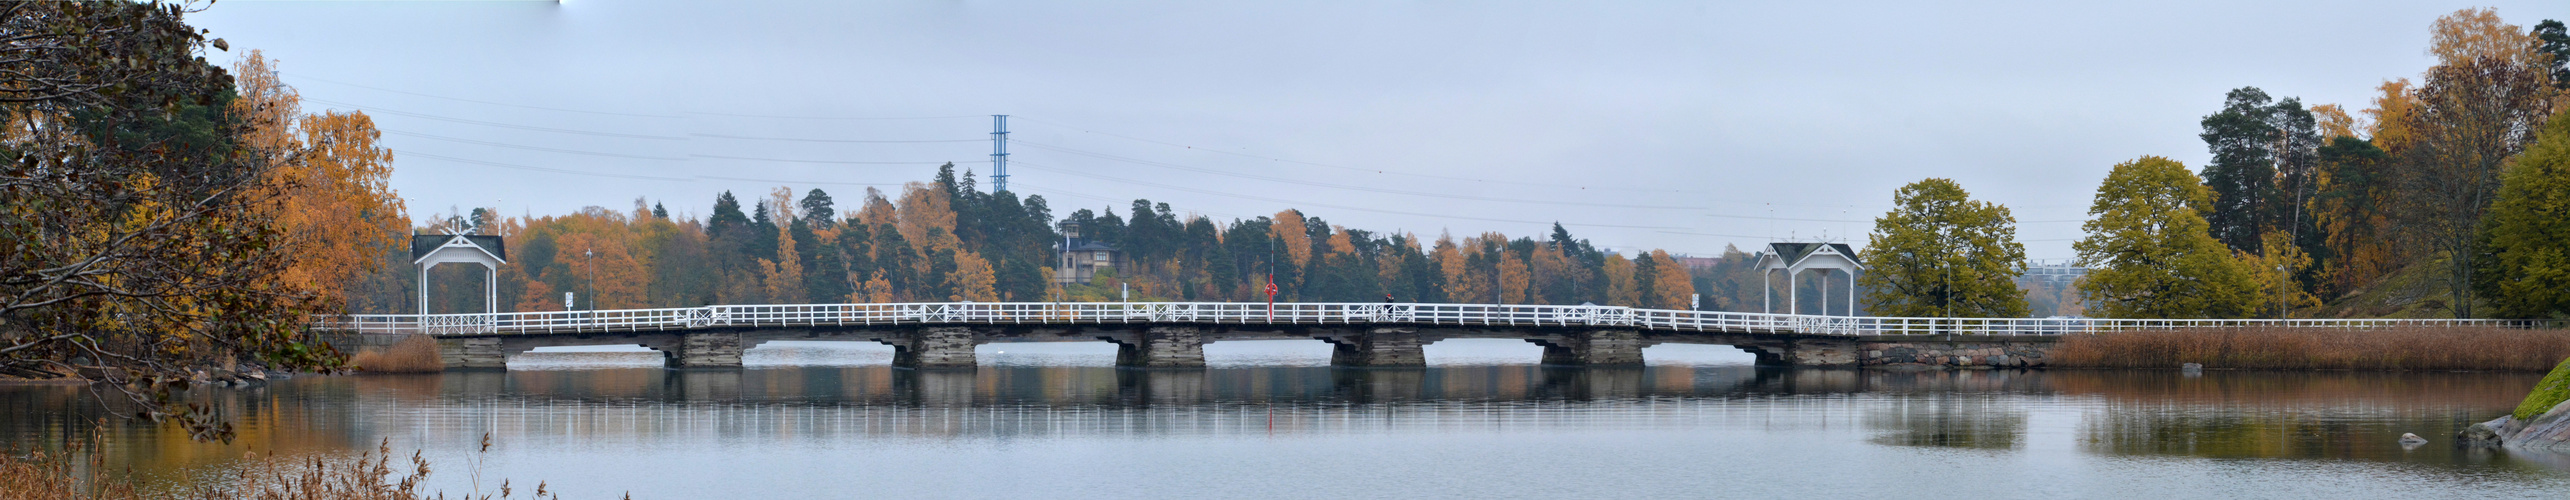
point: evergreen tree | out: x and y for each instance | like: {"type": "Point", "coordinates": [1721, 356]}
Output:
{"type": "Point", "coordinates": [818, 209]}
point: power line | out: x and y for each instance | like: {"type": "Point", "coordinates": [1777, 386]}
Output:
{"type": "Point", "coordinates": [753, 138]}
{"type": "Point", "coordinates": [693, 179]}
{"type": "Point", "coordinates": [613, 113]}
{"type": "Point", "coordinates": [1304, 203]}
{"type": "Point", "coordinates": [494, 124]}
{"type": "Point", "coordinates": [1339, 186]}
{"type": "Point", "coordinates": [401, 153]}
{"type": "Point", "coordinates": [529, 148]}
{"type": "Point", "coordinates": [835, 162]}
{"type": "Point", "coordinates": [1343, 167]}
{"type": "Point", "coordinates": [1390, 172]}
{"type": "Point", "coordinates": [779, 117]}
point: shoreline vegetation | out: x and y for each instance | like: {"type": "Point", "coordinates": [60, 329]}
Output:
{"type": "Point", "coordinates": [413, 354]}
{"type": "Point", "coordinates": [83, 473]}
{"type": "Point", "coordinates": [2386, 349]}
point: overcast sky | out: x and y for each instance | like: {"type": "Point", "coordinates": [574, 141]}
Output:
{"type": "Point", "coordinates": [1676, 125]}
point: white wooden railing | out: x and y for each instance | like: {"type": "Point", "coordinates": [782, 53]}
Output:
{"type": "Point", "coordinates": [1306, 313]}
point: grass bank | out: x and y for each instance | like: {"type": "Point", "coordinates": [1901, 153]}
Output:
{"type": "Point", "coordinates": [2405, 348]}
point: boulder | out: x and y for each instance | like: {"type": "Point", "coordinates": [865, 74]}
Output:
{"type": "Point", "coordinates": [2489, 434]}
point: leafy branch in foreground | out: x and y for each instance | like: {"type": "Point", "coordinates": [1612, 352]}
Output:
{"type": "Point", "coordinates": [139, 242]}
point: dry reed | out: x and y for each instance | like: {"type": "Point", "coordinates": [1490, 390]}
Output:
{"type": "Point", "coordinates": [38, 475]}
{"type": "Point", "coordinates": [2403, 348]}
{"type": "Point", "coordinates": [413, 354]}
{"type": "Point", "coordinates": [365, 476]}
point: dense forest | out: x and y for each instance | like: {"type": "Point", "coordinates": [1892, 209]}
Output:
{"type": "Point", "coordinates": [946, 240]}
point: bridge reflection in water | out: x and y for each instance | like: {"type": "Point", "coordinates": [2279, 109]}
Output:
{"type": "Point", "coordinates": [652, 426]}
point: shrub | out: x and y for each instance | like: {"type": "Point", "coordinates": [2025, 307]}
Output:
{"type": "Point", "coordinates": [414, 354]}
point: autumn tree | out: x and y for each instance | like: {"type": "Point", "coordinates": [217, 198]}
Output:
{"type": "Point", "coordinates": [2149, 252]}
{"type": "Point", "coordinates": [2274, 273]}
{"type": "Point", "coordinates": [1621, 289]}
{"type": "Point", "coordinates": [1939, 253]}
{"type": "Point", "coordinates": [2479, 106]}
{"type": "Point", "coordinates": [2526, 271]}
{"type": "Point", "coordinates": [1670, 284]}
{"type": "Point", "coordinates": [2353, 211]}
{"type": "Point", "coordinates": [136, 232]}
{"type": "Point", "coordinates": [336, 206]}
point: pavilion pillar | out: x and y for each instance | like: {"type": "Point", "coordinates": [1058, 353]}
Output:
{"type": "Point", "coordinates": [1793, 291]}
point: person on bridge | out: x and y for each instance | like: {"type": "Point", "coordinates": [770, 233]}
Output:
{"type": "Point", "coordinates": [1387, 298]}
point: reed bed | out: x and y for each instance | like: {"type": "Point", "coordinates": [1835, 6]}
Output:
{"type": "Point", "coordinates": [364, 476]}
{"type": "Point", "coordinates": [413, 354]}
{"type": "Point", "coordinates": [2386, 349]}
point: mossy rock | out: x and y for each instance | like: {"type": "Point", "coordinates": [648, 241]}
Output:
{"type": "Point", "coordinates": [2550, 392]}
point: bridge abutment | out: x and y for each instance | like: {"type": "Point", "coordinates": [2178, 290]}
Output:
{"type": "Point", "coordinates": [471, 352]}
{"type": "Point", "coordinates": [1164, 347]}
{"type": "Point", "coordinates": [1380, 348]}
{"type": "Point", "coordinates": [937, 347]}
{"type": "Point", "coordinates": [1595, 348]}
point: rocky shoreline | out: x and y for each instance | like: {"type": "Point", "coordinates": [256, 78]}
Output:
{"type": "Point", "coordinates": [2548, 432]}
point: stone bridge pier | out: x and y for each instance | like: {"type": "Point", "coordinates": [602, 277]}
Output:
{"type": "Point", "coordinates": [1594, 348]}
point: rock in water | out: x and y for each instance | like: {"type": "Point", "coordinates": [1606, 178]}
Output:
{"type": "Point", "coordinates": [2489, 434]}
{"type": "Point", "coordinates": [2411, 439]}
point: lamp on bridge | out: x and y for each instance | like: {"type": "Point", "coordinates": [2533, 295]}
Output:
{"type": "Point", "coordinates": [429, 250]}
{"type": "Point", "coordinates": [1793, 259]}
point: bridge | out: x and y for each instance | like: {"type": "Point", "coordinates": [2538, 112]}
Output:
{"type": "Point", "coordinates": [1173, 334]}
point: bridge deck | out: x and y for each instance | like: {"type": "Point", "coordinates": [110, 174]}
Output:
{"type": "Point", "coordinates": [1226, 313]}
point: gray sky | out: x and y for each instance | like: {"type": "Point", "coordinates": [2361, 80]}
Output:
{"type": "Point", "coordinates": [1676, 125]}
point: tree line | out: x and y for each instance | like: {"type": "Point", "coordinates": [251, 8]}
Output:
{"type": "Point", "coordinates": [946, 240]}
{"type": "Point", "coordinates": [2455, 173]}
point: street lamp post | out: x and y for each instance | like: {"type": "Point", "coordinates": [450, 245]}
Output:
{"type": "Point", "coordinates": [589, 259]}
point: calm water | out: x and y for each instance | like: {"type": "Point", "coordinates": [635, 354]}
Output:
{"type": "Point", "coordinates": [1271, 419]}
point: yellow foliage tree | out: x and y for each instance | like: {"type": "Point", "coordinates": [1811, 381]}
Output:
{"type": "Point", "coordinates": [2274, 274]}
{"type": "Point", "coordinates": [925, 207]}
{"type": "Point", "coordinates": [2334, 122]}
{"type": "Point", "coordinates": [974, 280]}
{"type": "Point", "coordinates": [603, 267]}
{"type": "Point", "coordinates": [335, 206]}
{"type": "Point", "coordinates": [1451, 265]}
{"type": "Point", "coordinates": [1675, 285]}
{"type": "Point", "coordinates": [1513, 279]}
{"type": "Point", "coordinates": [783, 276]}
{"type": "Point", "coordinates": [1620, 288]}
{"type": "Point", "coordinates": [1290, 229]}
